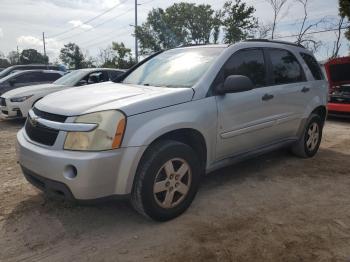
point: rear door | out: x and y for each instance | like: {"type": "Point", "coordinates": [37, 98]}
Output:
{"type": "Point", "coordinates": [35, 78]}
{"type": "Point", "coordinates": [246, 120]}
{"type": "Point", "coordinates": [291, 89]}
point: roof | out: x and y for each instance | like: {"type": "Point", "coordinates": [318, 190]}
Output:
{"type": "Point", "coordinates": [274, 41]}
{"type": "Point", "coordinates": [99, 69]}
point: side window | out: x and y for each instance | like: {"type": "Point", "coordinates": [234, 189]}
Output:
{"type": "Point", "coordinates": [285, 67]}
{"type": "Point", "coordinates": [96, 77]}
{"type": "Point", "coordinates": [249, 63]}
{"type": "Point", "coordinates": [104, 77]}
{"type": "Point", "coordinates": [114, 74]}
{"type": "Point", "coordinates": [23, 78]}
{"type": "Point", "coordinates": [313, 66]}
{"type": "Point", "coordinates": [38, 77]}
{"type": "Point", "coordinates": [51, 76]}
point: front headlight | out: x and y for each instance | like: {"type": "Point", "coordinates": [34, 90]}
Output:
{"type": "Point", "coordinates": [20, 99]}
{"type": "Point", "coordinates": [107, 135]}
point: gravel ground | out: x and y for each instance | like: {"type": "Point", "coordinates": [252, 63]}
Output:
{"type": "Point", "coordinates": [272, 208]}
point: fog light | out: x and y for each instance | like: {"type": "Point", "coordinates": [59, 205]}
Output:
{"type": "Point", "coordinates": [70, 172]}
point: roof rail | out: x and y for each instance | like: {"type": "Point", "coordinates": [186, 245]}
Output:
{"type": "Point", "coordinates": [274, 41]}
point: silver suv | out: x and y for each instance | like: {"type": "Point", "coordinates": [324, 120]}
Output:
{"type": "Point", "coordinates": [175, 116]}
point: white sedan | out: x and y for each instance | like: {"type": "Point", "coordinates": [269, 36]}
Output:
{"type": "Point", "coordinates": [17, 103]}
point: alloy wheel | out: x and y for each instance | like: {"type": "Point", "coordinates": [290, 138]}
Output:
{"type": "Point", "coordinates": [172, 183]}
{"type": "Point", "coordinates": [313, 135]}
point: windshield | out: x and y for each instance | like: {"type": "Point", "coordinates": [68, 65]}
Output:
{"type": "Point", "coordinates": [5, 71]}
{"type": "Point", "coordinates": [71, 78]}
{"type": "Point", "coordinates": [174, 68]}
{"type": "Point", "coordinates": [12, 75]}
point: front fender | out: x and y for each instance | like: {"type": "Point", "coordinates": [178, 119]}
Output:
{"type": "Point", "coordinates": [200, 115]}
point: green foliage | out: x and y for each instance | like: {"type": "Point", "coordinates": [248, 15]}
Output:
{"type": "Point", "coordinates": [116, 56]}
{"type": "Point", "coordinates": [238, 21]}
{"type": "Point", "coordinates": [32, 56]}
{"type": "Point", "coordinates": [344, 11]}
{"type": "Point", "coordinates": [123, 58]}
{"type": "Point", "coordinates": [179, 24]}
{"type": "Point", "coordinates": [185, 23]}
{"type": "Point", "coordinates": [72, 55]}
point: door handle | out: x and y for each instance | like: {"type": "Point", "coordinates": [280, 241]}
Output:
{"type": "Point", "coordinates": [267, 97]}
{"type": "Point", "coordinates": [305, 89]}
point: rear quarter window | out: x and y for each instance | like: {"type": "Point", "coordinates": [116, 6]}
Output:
{"type": "Point", "coordinates": [313, 66]}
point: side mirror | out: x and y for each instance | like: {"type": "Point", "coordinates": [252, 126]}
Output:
{"type": "Point", "coordinates": [235, 84]}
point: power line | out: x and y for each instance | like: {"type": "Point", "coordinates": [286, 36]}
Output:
{"type": "Point", "coordinates": [106, 21]}
{"type": "Point", "coordinates": [91, 19]}
{"type": "Point", "coordinates": [314, 32]}
{"type": "Point", "coordinates": [98, 25]}
{"type": "Point", "coordinates": [105, 39]}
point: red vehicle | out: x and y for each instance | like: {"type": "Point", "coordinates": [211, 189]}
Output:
{"type": "Point", "coordinates": [338, 74]}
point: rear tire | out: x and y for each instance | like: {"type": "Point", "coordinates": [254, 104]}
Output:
{"type": "Point", "coordinates": [309, 143]}
{"type": "Point", "coordinates": [166, 181]}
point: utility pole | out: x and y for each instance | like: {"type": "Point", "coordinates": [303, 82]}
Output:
{"type": "Point", "coordinates": [17, 62]}
{"type": "Point", "coordinates": [44, 44]}
{"type": "Point", "coordinates": [136, 42]}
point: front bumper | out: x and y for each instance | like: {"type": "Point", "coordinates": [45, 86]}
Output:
{"type": "Point", "coordinates": [9, 111]}
{"type": "Point", "coordinates": [334, 108]}
{"type": "Point", "coordinates": [98, 174]}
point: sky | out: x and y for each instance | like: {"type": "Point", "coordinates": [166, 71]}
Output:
{"type": "Point", "coordinates": [23, 21]}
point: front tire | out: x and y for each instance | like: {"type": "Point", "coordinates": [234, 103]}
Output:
{"type": "Point", "coordinates": [309, 143]}
{"type": "Point", "coordinates": [166, 181]}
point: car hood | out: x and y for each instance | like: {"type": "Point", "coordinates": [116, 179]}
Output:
{"type": "Point", "coordinates": [29, 90]}
{"type": "Point", "coordinates": [131, 99]}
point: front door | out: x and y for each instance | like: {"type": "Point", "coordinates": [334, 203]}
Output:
{"type": "Point", "coordinates": [246, 119]}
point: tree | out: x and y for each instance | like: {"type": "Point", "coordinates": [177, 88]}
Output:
{"type": "Point", "coordinates": [179, 24]}
{"type": "Point", "coordinates": [32, 56]}
{"type": "Point", "coordinates": [263, 31]}
{"type": "Point", "coordinates": [116, 56]}
{"type": "Point", "coordinates": [238, 21]}
{"type": "Point", "coordinates": [72, 56]}
{"type": "Point", "coordinates": [123, 58]}
{"type": "Point", "coordinates": [13, 57]}
{"type": "Point", "coordinates": [344, 11]}
{"type": "Point", "coordinates": [277, 6]}
{"type": "Point", "coordinates": [89, 62]}
{"type": "Point", "coordinates": [3, 61]}
{"type": "Point", "coordinates": [106, 57]}
{"type": "Point", "coordinates": [303, 37]}
{"type": "Point", "coordinates": [338, 34]}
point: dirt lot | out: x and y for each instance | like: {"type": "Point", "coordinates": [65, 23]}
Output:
{"type": "Point", "coordinates": [273, 208]}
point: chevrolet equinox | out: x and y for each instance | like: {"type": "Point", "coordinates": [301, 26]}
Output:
{"type": "Point", "coordinates": [170, 119]}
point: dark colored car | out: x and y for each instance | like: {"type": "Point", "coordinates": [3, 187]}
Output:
{"type": "Point", "coordinates": [15, 68]}
{"type": "Point", "coordinates": [28, 77]}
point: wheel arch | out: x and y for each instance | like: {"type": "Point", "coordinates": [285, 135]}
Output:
{"type": "Point", "coordinates": [189, 136]}
{"type": "Point", "coordinates": [322, 112]}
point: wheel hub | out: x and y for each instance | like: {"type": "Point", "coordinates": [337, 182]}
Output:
{"type": "Point", "coordinates": [172, 183]}
{"type": "Point", "coordinates": [313, 135]}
